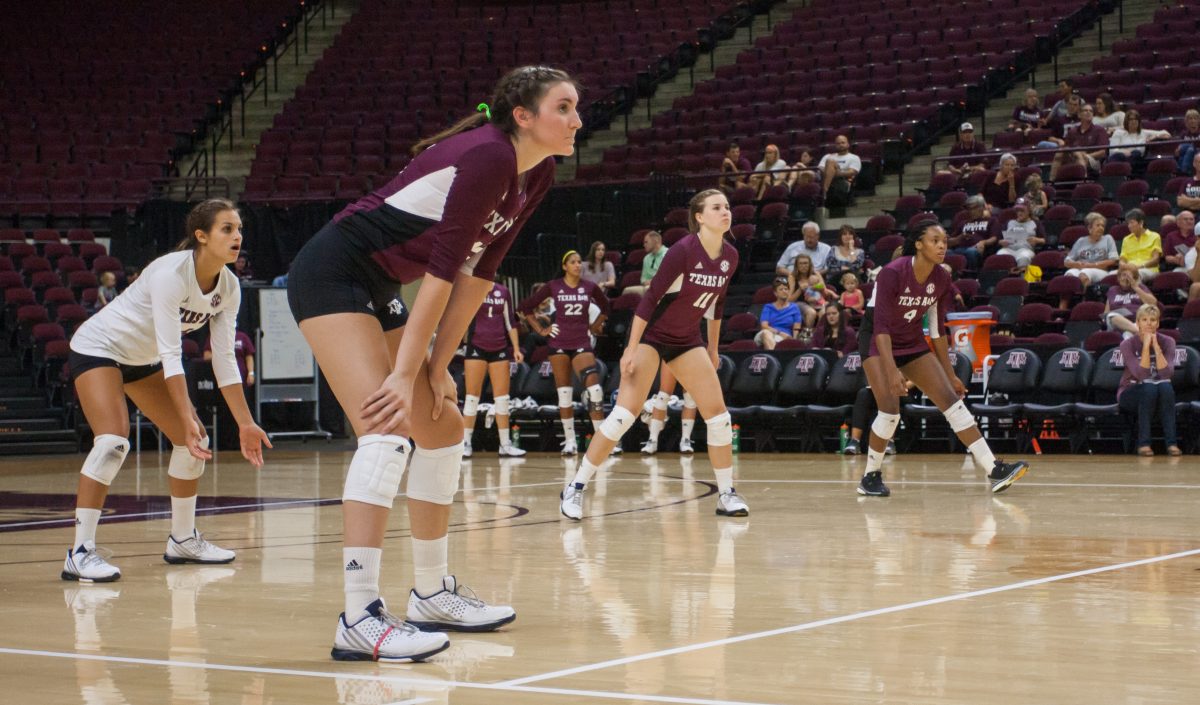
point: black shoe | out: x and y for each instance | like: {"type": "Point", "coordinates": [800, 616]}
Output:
{"type": "Point", "coordinates": [1004, 474]}
{"type": "Point", "coordinates": [872, 485]}
{"type": "Point", "coordinates": [852, 447]}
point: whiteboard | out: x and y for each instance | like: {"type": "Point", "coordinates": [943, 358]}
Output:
{"type": "Point", "coordinates": [284, 353]}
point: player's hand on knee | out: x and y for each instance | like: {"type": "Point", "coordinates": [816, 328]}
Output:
{"type": "Point", "coordinates": [195, 441]}
{"type": "Point", "coordinates": [252, 439]}
{"type": "Point", "coordinates": [627, 362]}
{"type": "Point", "coordinates": [960, 389]}
{"type": "Point", "coordinates": [896, 384]}
{"type": "Point", "coordinates": [445, 391]}
{"type": "Point", "coordinates": [386, 409]}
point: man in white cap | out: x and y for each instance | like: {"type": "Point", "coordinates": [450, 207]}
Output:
{"type": "Point", "coordinates": [967, 152]}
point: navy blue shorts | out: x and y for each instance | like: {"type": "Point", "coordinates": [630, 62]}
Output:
{"type": "Point", "coordinates": [81, 363]}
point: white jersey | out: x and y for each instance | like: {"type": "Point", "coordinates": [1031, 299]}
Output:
{"type": "Point", "coordinates": [146, 323]}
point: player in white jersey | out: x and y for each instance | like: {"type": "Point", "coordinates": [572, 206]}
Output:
{"type": "Point", "coordinates": [133, 347]}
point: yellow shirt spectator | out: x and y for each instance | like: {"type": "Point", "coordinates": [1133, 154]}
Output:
{"type": "Point", "coordinates": [1140, 250]}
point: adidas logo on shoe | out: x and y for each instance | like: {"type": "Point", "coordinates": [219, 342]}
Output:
{"type": "Point", "coordinates": [353, 565]}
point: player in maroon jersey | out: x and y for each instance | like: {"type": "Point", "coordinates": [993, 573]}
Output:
{"type": "Point", "coordinates": [907, 289]}
{"type": "Point", "coordinates": [450, 216]}
{"type": "Point", "coordinates": [570, 340]}
{"type": "Point", "coordinates": [491, 345]}
{"type": "Point", "coordinates": [690, 285]}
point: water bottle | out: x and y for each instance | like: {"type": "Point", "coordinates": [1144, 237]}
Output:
{"type": "Point", "coordinates": [843, 437]}
{"type": "Point", "coordinates": [516, 436]}
{"type": "Point", "coordinates": [587, 441]}
{"type": "Point", "coordinates": [737, 433]}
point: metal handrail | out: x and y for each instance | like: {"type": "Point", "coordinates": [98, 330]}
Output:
{"type": "Point", "coordinates": [996, 154]}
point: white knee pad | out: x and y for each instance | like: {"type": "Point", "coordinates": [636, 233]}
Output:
{"type": "Point", "coordinates": [433, 475]}
{"type": "Point", "coordinates": [958, 417]}
{"type": "Point", "coordinates": [595, 393]}
{"type": "Point", "coordinates": [471, 405]}
{"type": "Point", "coordinates": [660, 401]}
{"type": "Point", "coordinates": [688, 401]}
{"type": "Point", "coordinates": [617, 423]}
{"type": "Point", "coordinates": [720, 430]}
{"type": "Point", "coordinates": [376, 469]}
{"type": "Point", "coordinates": [500, 405]}
{"type": "Point", "coordinates": [107, 455]}
{"type": "Point", "coordinates": [183, 466]}
{"type": "Point", "coordinates": [565, 395]}
{"type": "Point", "coordinates": [885, 425]}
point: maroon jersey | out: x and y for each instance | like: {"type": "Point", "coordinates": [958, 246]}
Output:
{"type": "Point", "coordinates": [570, 311]}
{"type": "Point", "coordinates": [457, 207]}
{"type": "Point", "coordinates": [1191, 188]}
{"type": "Point", "coordinates": [901, 302]}
{"type": "Point", "coordinates": [688, 286]}
{"type": "Point", "coordinates": [975, 231]}
{"type": "Point", "coordinates": [489, 330]}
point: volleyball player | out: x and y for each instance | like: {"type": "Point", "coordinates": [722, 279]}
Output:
{"type": "Point", "coordinates": [570, 342]}
{"type": "Point", "coordinates": [907, 289]}
{"type": "Point", "coordinates": [449, 217]}
{"type": "Point", "coordinates": [657, 408]}
{"type": "Point", "coordinates": [491, 343]}
{"type": "Point", "coordinates": [133, 347]}
{"type": "Point", "coordinates": [689, 285]}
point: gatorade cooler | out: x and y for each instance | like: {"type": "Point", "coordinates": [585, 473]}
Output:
{"type": "Point", "coordinates": [971, 335]}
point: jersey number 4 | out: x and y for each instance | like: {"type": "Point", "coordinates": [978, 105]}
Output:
{"type": "Point", "coordinates": [573, 309]}
{"type": "Point", "coordinates": [910, 315]}
{"type": "Point", "coordinates": [705, 299]}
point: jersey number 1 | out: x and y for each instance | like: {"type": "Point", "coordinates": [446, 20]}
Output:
{"type": "Point", "coordinates": [705, 299]}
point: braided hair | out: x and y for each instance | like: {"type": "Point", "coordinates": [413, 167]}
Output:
{"type": "Point", "coordinates": [915, 232]}
{"type": "Point", "coordinates": [522, 87]}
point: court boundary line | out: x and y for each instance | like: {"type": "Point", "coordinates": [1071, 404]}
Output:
{"type": "Point", "coordinates": [417, 682]}
{"type": "Point", "coordinates": [980, 482]}
{"type": "Point", "coordinates": [807, 626]}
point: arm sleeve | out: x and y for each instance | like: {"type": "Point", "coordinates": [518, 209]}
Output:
{"type": "Point", "coordinates": [1167, 343]}
{"type": "Point", "coordinates": [670, 270]}
{"type": "Point", "coordinates": [223, 332]}
{"type": "Point", "coordinates": [937, 318]}
{"type": "Point", "coordinates": [535, 299]}
{"type": "Point", "coordinates": [887, 309]}
{"type": "Point", "coordinates": [597, 296]}
{"type": "Point", "coordinates": [855, 163]}
{"type": "Point", "coordinates": [1133, 360]}
{"type": "Point", "coordinates": [851, 345]}
{"type": "Point", "coordinates": [489, 260]}
{"type": "Point", "coordinates": [167, 291]}
{"type": "Point", "coordinates": [480, 181]}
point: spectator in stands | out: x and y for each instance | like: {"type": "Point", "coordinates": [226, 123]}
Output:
{"type": "Point", "coordinates": [1122, 300]}
{"type": "Point", "coordinates": [1191, 264]}
{"type": "Point", "coordinates": [1027, 115]}
{"type": "Point", "coordinates": [280, 282]}
{"type": "Point", "coordinates": [834, 332]}
{"type": "Point", "coordinates": [1107, 114]}
{"type": "Point", "coordinates": [806, 287]}
{"type": "Point", "coordinates": [1086, 134]}
{"type": "Point", "coordinates": [1180, 241]}
{"type": "Point", "coordinates": [1146, 384]}
{"type": "Point", "coordinates": [838, 170]}
{"type": "Point", "coordinates": [1093, 257]}
{"type": "Point", "coordinates": [242, 267]}
{"type": "Point", "coordinates": [1066, 89]}
{"type": "Point", "coordinates": [1021, 236]}
{"type": "Point", "coordinates": [1128, 143]}
{"type": "Point", "coordinates": [107, 290]}
{"type": "Point", "coordinates": [817, 251]}
{"type": "Point", "coordinates": [734, 169]}
{"type": "Point", "coordinates": [1059, 123]}
{"type": "Point", "coordinates": [1189, 195]}
{"type": "Point", "coordinates": [1142, 248]}
{"type": "Point", "coordinates": [769, 167]}
{"type": "Point", "coordinates": [846, 256]}
{"type": "Point", "coordinates": [806, 175]}
{"type": "Point", "coordinates": [780, 320]}
{"type": "Point", "coordinates": [969, 151]}
{"type": "Point", "coordinates": [975, 234]}
{"type": "Point", "coordinates": [1035, 195]}
{"type": "Point", "coordinates": [131, 274]}
{"type": "Point", "coordinates": [1185, 154]}
{"type": "Point", "coordinates": [1000, 191]}
{"type": "Point", "coordinates": [852, 296]}
{"type": "Point", "coordinates": [655, 251]}
{"type": "Point", "coordinates": [599, 270]}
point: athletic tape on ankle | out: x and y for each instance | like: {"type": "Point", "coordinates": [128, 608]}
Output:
{"type": "Point", "coordinates": [720, 430]}
{"type": "Point", "coordinates": [884, 425]}
{"type": "Point", "coordinates": [106, 457]}
{"type": "Point", "coordinates": [183, 466]}
{"type": "Point", "coordinates": [470, 405]}
{"type": "Point", "coordinates": [958, 417]}
{"type": "Point", "coordinates": [565, 395]}
{"type": "Point", "coordinates": [617, 424]}
{"type": "Point", "coordinates": [433, 474]}
{"type": "Point", "coordinates": [376, 469]}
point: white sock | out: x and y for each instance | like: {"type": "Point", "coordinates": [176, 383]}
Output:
{"type": "Point", "coordinates": [874, 460]}
{"type": "Point", "coordinates": [504, 438]}
{"type": "Point", "coordinates": [430, 561]}
{"type": "Point", "coordinates": [467, 435]}
{"type": "Point", "coordinates": [656, 428]}
{"type": "Point", "coordinates": [85, 526]}
{"type": "Point", "coordinates": [569, 430]}
{"type": "Point", "coordinates": [724, 479]}
{"type": "Point", "coordinates": [183, 517]}
{"type": "Point", "coordinates": [982, 454]}
{"type": "Point", "coordinates": [360, 569]}
{"type": "Point", "coordinates": [687, 425]}
{"type": "Point", "coordinates": [585, 472]}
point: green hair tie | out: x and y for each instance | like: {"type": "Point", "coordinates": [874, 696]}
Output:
{"type": "Point", "coordinates": [485, 109]}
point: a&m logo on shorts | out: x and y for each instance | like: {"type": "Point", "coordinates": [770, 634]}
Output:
{"type": "Point", "coordinates": [758, 364]}
{"type": "Point", "coordinates": [804, 364]}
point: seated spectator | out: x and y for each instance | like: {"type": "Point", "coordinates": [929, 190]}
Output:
{"type": "Point", "coordinates": [1189, 195]}
{"type": "Point", "coordinates": [1066, 89]}
{"type": "Point", "coordinates": [1186, 153]}
{"type": "Point", "coordinates": [280, 282]}
{"type": "Point", "coordinates": [1092, 258]}
{"type": "Point", "coordinates": [243, 351]}
{"type": "Point", "coordinates": [734, 169]}
{"type": "Point", "coordinates": [1060, 124]}
{"type": "Point", "coordinates": [132, 272]}
{"type": "Point", "coordinates": [599, 270]}
{"type": "Point", "coordinates": [834, 333]}
{"type": "Point", "coordinates": [1086, 134]}
{"type": "Point", "coordinates": [806, 287]}
{"type": "Point", "coordinates": [1000, 191]}
{"type": "Point", "coordinates": [1142, 248]}
{"type": "Point", "coordinates": [780, 320]}
{"type": "Point", "coordinates": [1128, 143]}
{"type": "Point", "coordinates": [969, 151]}
{"type": "Point", "coordinates": [817, 251]}
{"type": "Point", "coordinates": [771, 162]}
{"type": "Point", "coordinates": [806, 174]}
{"type": "Point", "coordinates": [242, 268]}
{"type": "Point", "coordinates": [1021, 236]}
{"type": "Point", "coordinates": [846, 256]}
{"type": "Point", "coordinates": [1035, 194]}
{"type": "Point", "coordinates": [1123, 300]}
{"type": "Point", "coordinates": [107, 290]}
{"type": "Point", "coordinates": [1181, 240]}
{"type": "Point", "coordinates": [1107, 115]}
{"type": "Point", "coordinates": [852, 296]}
{"type": "Point", "coordinates": [1028, 115]}
{"type": "Point", "coordinates": [974, 235]}
{"type": "Point", "coordinates": [655, 251]}
{"type": "Point", "coordinates": [1191, 265]}
{"type": "Point", "coordinates": [1145, 387]}
{"type": "Point", "coordinates": [839, 170]}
